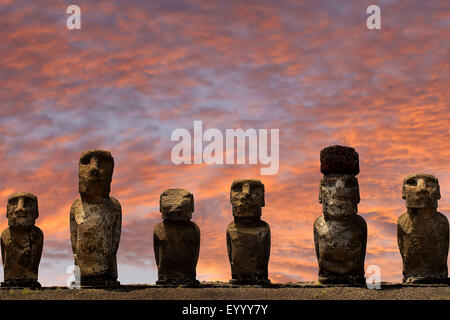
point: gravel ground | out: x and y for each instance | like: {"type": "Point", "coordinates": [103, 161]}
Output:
{"type": "Point", "coordinates": [222, 291]}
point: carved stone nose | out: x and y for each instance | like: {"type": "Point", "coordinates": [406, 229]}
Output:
{"type": "Point", "coordinates": [246, 189]}
{"type": "Point", "coordinates": [421, 185]}
{"type": "Point", "coordinates": [94, 170]}
{"type": "Point", "coordinates": [94, 167]}
{"type": "Point", "coordinates": [20, 207]}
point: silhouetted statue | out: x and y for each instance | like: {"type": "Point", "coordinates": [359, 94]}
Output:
{"type": "Point", "coordinates": [176, 240]}
{"type": "Point", "coordinates": [340, 234]}
{"type": "Point", "coordinates": [248, 237]}
{"type": "Point", "coordinates": [96, 221]}
{"type": "Point", "coordinates": [22, 242]}
{"type": "Point", "coordinates": [423, 232]}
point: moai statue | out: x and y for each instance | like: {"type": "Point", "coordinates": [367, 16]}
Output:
{"type": "Point", "coordinates": [423, 232]}
{"type": "Point", "coordinates": [22, 242]}
{"type": "Point", "coordinates": [340, 234]}
{"type": "Point", "coordinates": [176, 240]}
{"type": "Point", "coordinates": [248, 237]}
{"type": "Point", "coordinates": [96, 221]}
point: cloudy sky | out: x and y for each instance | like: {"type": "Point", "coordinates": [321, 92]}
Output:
{"type": "Point", "coordinates": [138, 70]}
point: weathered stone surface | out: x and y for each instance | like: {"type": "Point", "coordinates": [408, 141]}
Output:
{"type": "Point", "coordinates": [423, 232]}
{"type": "Point", "coordinates": [96, 221]}
{"type": "Point", "coordinates": [340, 234]}
{"type": "Point", "coordinates": [176, 204]}
{"type": "Point", "coordinates": [21, 242]}
{"type": "Point", "coordinates": [339, 160]}
{"type": "Point", "coordinates": [339, 195]}
{"type": "Point", "coordinates": [176, 240]}
{"type": "Point", "coordinates": [248, 237]}
{"type": "Point", "coordinates": [340, 248]}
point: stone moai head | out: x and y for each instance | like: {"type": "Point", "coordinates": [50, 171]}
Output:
{"type": "Point", "coordinates": [339, 194]}
{"type": "Point", "coordinates": [22, 210]}
{"type": "Point", "coordinates": [95, 172]}
{"type": "Point", "coordinates": [247, 198]}
{"type": "Point", "coordinates": [421, 191]}
{"type": "Point", "coordinates": [176, 204]}
{"type": "Point", "coordinates": [339, 189]}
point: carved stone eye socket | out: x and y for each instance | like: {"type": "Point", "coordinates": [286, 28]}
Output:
{"type": "Point", "coordinates": [328, 182]}
{"type": "Point", "coordinates": [85, 160]}
{"type": "Point", "coordinates": [411, 182]}
{"type": "Point", "coordinates": [431, 184]}
{"type": "Point", "coordinates": [237, 188]}
{"type": "Point", "coordinates": [256, 188]}
{"type": "Point", "coordinates": [99, 159]}
{"type": "Point", "coordinates": [27, 202]}
{"type": "Point", "coordinates": [187, 197]}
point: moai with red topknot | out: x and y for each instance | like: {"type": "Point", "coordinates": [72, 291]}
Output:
{"type": "Point", "coordinates": [340, 234]}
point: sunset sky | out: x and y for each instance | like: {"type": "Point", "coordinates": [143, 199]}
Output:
{"type": "Point", "coordinates": [138, 70]}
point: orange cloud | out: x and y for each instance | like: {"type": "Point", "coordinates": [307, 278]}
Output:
{"type": "Point", "coordinates": [133, 74]}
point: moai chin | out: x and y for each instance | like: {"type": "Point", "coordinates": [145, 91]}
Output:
{"type": "Point", "coordinates": [248, 237]}
{"type": "Point", "coordinates": [21, 242]}
{"type": "Point", "coordinates": [423, 232]}
{"type": "Point", "coordinates": [176, 240]}
{"type": "Point", "coordinates": [96, 221]}
{"type": "Point", "coordinates": [340, 234]}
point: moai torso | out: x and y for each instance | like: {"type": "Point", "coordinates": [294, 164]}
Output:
{"type": "Point", "coordinates": [176, 240]}
{"type": "Point", "coordinates": [21, 252]}
{"type": "Point", "coordinates": [341, 244]}
{"type": "Point", "coordinates": [95, 222]}
{"type": "Point", "coordinates": [422, 232]}
{"type": "Point", "coordinates": [248, 237]}
{"type": "Point", "coordinates": [21, 242]}
{"type": "Point", "coordinates": [340, 234]}
{"type": "Point", "coordinates": [249, 247]}
{"type": "Point", "coordinates": [96, 245]}
{"type": "Point", "coordinates": [178, 245]}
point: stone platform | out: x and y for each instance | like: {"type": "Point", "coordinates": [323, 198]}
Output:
{"type": "Point", "coordinates": [226, 291]}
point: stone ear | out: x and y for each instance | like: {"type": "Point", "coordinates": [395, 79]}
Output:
{"type": "Point", "coordinates": [160, 202]}
{"type": "Point", "coordinates": [320, 190]}
{"type": "Point", "coordinates": [263, 204]}
{"type": "Point", "coordinates": [403, 190]}
{"type": "Point", "coordinates": [36, 209]}
{"type": "Point", "coordinates": [8, 206]}
{"type": "Point", "coordinates": [438, 189]}
{"type": "Point", "coordinates": [359, 195]}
